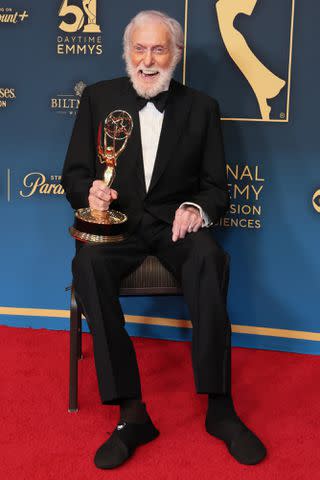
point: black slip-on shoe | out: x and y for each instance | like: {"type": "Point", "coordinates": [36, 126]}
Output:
{"type": "Point", "coordinates": [122, 443]}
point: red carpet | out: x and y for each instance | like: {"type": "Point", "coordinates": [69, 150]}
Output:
{"type": "Point", "coordinates": [276, 394]}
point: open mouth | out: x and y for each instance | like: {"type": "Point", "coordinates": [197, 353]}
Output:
{"type": "Point", "coordinates": [148, 73]}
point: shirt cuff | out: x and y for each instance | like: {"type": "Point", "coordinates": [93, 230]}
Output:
{"type": "Point", "coordinates": [206, 222]}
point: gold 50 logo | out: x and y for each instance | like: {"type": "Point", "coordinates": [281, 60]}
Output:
{"type": "Point", "coordinates": [82, 20]}
{"type": "Point", "coordinates": [89, 9]}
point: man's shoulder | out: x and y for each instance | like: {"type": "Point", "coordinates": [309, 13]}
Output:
{"type": "Point", "coordinates": [198, 97]}
{"type": "Point", "coordinates": [111, 85]}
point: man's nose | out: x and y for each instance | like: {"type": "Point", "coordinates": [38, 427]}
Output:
{"type": "Point", "coordinates": [148, 58]}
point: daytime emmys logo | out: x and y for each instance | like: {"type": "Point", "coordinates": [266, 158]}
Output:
{"type": "Point", "coordinates": [82, 32]}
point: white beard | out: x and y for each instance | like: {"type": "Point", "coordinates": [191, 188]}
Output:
{"type": "Point", "coordinates": [149, 91]}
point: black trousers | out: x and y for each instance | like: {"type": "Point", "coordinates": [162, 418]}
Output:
{"type": "Point", "coordinates": [200, 265]}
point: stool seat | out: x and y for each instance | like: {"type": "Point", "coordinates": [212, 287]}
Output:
{"type": "Point", "coordinates": [150, 278]}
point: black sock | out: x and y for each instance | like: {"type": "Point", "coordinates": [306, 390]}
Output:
{"type": "Point", "coordinates": [220, 407]}
{"type": "Point", "coordinates": [223, 422]}
{"type": "Point", "coordinates": [133, 410]}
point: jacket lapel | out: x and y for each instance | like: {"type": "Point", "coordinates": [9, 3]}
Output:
{"type": "Point", "coordinates": [134, 147]}
{"type": "Point", "coordinates": [175, 116]}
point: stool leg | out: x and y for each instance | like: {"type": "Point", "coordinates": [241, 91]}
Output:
{"type": "Point", "coordinates": [74, 350]}
{"type": "Point", "coordinates": [80, 354]}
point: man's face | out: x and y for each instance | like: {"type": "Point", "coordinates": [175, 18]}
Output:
{"type": "Point", "coordinates": [150, 62]}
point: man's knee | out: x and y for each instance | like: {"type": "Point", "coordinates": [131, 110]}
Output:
{"type": "Point", "coordinates": [207, 249]}
{"type": "Point", "coordinates": [84, 258]}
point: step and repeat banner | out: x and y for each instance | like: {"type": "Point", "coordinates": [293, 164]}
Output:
{"type": "Point", "coordinates": [258, 58]}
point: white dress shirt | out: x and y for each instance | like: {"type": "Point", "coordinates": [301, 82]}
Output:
{"type": "Point", "coordinates": [150, 126]}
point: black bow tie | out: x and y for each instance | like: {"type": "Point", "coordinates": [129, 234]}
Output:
{"type": "Point", "coordinates": [159, 101]}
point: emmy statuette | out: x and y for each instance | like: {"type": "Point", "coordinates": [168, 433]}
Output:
{"type": "Point", "coordinates": [107, 226]}
{"type": "Point", "coordinates": [90, 7]}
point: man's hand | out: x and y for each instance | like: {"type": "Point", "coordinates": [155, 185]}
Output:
{"type": "Point", "coordinates": [100, 196]}
{"type": "Point", "coordinates": [187, 219]}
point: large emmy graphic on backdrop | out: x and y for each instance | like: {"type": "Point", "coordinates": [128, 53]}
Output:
{"type": "Point", "coordinates": [107, 226]}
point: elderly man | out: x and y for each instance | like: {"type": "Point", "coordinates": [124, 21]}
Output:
{"type": "Point", "coordinates": [171, 182]}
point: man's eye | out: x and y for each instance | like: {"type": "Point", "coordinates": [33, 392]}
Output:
{"type": "Point", "coordinates": [159, 50]}
{"type": "Point", "coordinates": [139, 49]}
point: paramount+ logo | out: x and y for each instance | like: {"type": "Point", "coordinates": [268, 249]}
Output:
{"type": "Point", "coordinates": [38, 183]}
{"type": "Point", "coordinates": [10, 15]}
{"type": "Point", "coordinates": [82, 32]}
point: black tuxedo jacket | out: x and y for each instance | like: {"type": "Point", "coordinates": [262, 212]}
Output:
{"type": "Point", "coordinates": [189, 165]}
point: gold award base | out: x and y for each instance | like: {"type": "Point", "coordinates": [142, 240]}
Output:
{"type": "Point", "coordinates": [95, 226]}
{"type": "Point", "coordinates": [92, 28]}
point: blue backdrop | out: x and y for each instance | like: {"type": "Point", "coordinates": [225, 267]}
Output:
{"type": "Point", "coordinates": [244, 59]}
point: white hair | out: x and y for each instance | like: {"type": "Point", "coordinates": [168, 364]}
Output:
{"type": "Point", "coordinates": [173, 26]}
